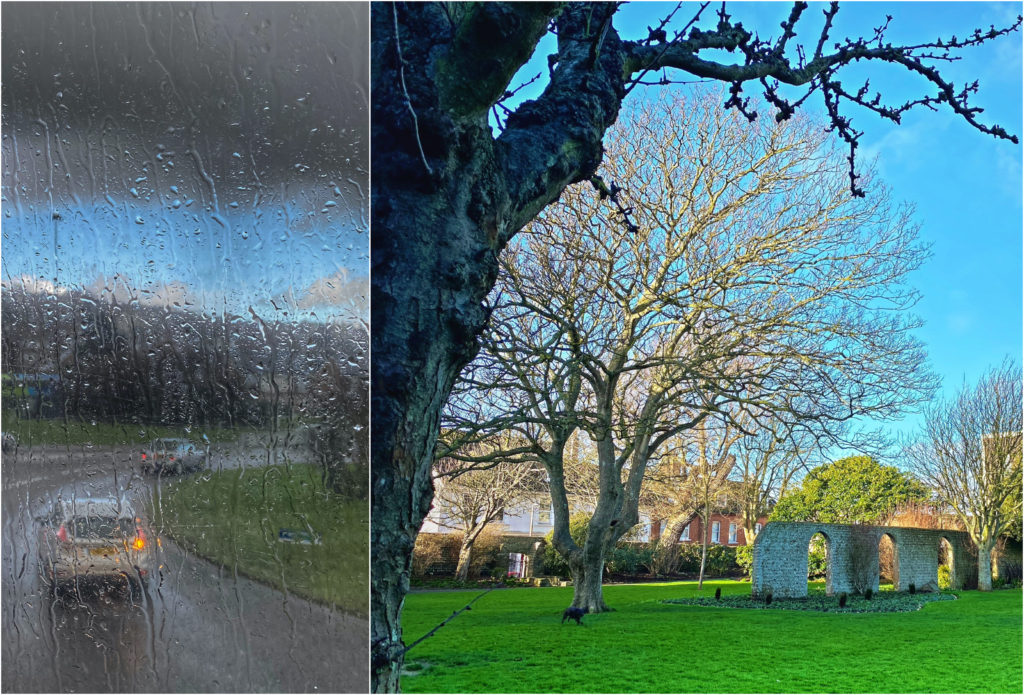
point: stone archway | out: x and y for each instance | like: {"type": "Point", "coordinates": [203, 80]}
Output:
{"type": "Point", "coordinates": [888, 561]}
{"type": "Point", "coordinates": [781, 552]}
{"type": "Point", "coordinates": [819, 559]}
{"type": "Point", "coordinates": [947, 560]}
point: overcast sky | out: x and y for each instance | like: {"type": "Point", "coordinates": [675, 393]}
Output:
{"type": "Point", "coordinates": [216, 152]}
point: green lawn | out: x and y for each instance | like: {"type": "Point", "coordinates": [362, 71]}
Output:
{"type": "Point", "coordinates": [233, 518]}
{"type": "Point", "coordinates": [512, 641]}
{"type": "Point", "coordinates": [75, 433]}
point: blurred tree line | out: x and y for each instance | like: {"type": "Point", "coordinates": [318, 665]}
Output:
{"type": "Point", "coordinates": [71, 354]}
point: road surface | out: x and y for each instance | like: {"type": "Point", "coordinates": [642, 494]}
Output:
{"type": "Point", "coordinates": [196, 629]}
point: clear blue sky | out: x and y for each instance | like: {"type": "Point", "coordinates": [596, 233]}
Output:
{"type": "Point", "coordinates": [966, 185]}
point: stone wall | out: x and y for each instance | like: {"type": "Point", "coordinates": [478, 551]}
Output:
{"type": "Point", "coordinates": [780, 558]}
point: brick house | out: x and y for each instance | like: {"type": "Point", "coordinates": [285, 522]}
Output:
{"type": "Point", "coordinates": [726, 529]}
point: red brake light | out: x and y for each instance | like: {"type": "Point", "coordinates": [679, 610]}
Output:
{"type": "Point", "coordinates": [62, 534]}
{"type": "Point", "coordinates": [143, 456]}
{"type": "Point", "coordinates": [140, 539]}
{"type": "Point", "coordinates": [172, 458]}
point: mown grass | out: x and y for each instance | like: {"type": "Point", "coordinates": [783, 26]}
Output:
{"type": "Point", "coordinates": [77, 433]}
{"type": "Point", "coordinates": [233, 518]}
{"type": "Point", "coordinates": [512, 641]}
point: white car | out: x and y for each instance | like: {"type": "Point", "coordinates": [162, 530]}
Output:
{"type": "Point", "coordinates": [95, 538]}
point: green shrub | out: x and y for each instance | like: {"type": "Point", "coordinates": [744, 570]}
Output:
{"type": "Point", "coordinates": [944, 577]}
{"type": "Point", "coordinates": [630, 558]}
{"type": "Point", "coordinates": [842, 600]}
{"type": "Point", "coordinates": [718, 594]}
{"type": "Point", "coordinates": [745, 558]}
{"type": "Point", "coordinates": [868, 594]}
{"type": "Point", "coordinates": [721, 560]}
{"type": "Point", "coordinates": [554, 563]}
{"type": "Point", "coordinates": [912, 588]}
{"type": "Point", "coordinates": [768, 599]}
{"type": "Point", "coordinates": [817, 567]}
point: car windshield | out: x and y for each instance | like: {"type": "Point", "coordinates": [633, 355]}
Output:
{"type": "Point", "coordinates": [102, 526]}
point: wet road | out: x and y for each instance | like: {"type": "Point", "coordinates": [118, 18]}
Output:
{"type": "Point", "coordinates": [196, 628]}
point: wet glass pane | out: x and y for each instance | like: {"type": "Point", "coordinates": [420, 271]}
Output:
{"type": "Point", "coordinates": [184, 347]}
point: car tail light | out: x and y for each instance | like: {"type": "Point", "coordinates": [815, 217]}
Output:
{"type": "Point", "coordinates": [62, 534]}
{"type": "Point", "coordinates": [172, 458]}
{"type": "Point", "coordinates": [143, 456]}
{"type": "Point", "coordinates": [139, 542]}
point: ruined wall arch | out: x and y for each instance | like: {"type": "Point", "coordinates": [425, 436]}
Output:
{"type": "Point", "coordinates": [780, 557]}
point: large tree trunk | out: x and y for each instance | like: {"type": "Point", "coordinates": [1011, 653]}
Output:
{"type": "Point", "coordinates": [588, 590]}
{"type": "Point", "coordinates": [466, 552]}
{"type": "Point", "coordinates": [668, 544]}
{"type": "Point", "coordinates": [587, 579]}
{"type": "Point", "coordinates": [446, 198]}
{"type": "Point", "coordinates": [432, 266]}
{"type": "Point", "coordinates": [985, 565]}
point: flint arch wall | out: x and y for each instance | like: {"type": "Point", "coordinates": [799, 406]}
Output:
{"type": "Point", "coordinates": [780, 558]}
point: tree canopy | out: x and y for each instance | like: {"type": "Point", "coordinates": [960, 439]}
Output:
{"type": "Point", "coordinates": [856, 489]}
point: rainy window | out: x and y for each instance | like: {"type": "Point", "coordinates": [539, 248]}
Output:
{"type": "Point", "coordinates": [184, 347]}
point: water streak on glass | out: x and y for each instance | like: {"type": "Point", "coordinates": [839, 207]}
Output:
{"type": "Point", "coordinates": [184, 347]}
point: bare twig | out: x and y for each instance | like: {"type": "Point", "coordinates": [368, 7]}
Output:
{"type": "Point", "coordinates": [405, 91]}
{"type": "Point", "coordinates": [444, 622]}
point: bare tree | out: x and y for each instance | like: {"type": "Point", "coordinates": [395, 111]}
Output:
{"type": "Point", "coordinates": [970, 454]}
{"type": "Point", "coordinates": [750, 292]}
{"type": "Point", "coordinates": [766, 463]}
{"type": "Point", "coordinates": [686, 484]}
{"type": "Point", "coordinates": [448, 195]}
{"type": "Point", "coordinates": [711, 451]}
{"type": "Point", "coordinates": [475, 497]}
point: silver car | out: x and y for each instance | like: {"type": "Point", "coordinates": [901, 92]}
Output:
{"type": "Point", "coordinates": [173, 455]}
{"type": "Point", "coordinates": [95, 538]}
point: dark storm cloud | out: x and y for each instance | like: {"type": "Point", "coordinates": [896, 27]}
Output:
{"type": "Point", "coordinates": [241, 92]}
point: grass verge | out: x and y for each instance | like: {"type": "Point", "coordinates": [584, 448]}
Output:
{"type": "Point", "coordinates": [77, 433]}
{"type": "Point", "coordinates": [234, 518]}
{"type": "Point", "coordinates": [512, 641]}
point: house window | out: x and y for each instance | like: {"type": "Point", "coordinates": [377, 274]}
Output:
{"type": "Point", "coordinates": [716, 530]}
{"type": "Point", "coordinates": [686, 533]}
{"type": "Point", "coordinates": [544, 516]}
{"type": "Point", "coordinates": [732, 534]}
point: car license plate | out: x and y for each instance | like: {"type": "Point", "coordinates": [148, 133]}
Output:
{"type": "Point", "coordinates": [103, 551]}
